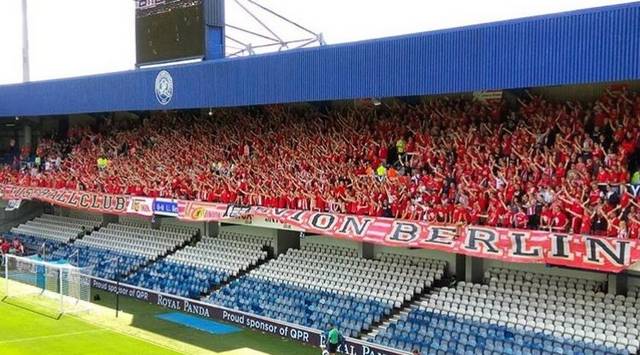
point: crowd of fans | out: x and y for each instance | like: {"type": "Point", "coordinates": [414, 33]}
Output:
{"type": "Point", "coordinates": [566, 167]}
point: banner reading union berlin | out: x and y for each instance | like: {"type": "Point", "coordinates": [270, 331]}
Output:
{"type": "Point", "coordinates": [510, 245]}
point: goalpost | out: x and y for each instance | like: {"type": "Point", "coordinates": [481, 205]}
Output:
{"type": "Point", "coordinates": [42, 286]}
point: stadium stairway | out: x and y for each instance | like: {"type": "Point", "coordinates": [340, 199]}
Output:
{"type": "Point", "coordinates": [198, 269]}
{"type": "Point", "coordinates": [403, 310]}
{"type": "Point", "coordinates": [321, 283]}
{"type": "Point", "coordinates": [240, 274]}
{"type": "Point", "coordinates": [516, 312]}
{"type": "Point", "coordinates": [384, 325]}
{"type": "Point", "coordinates": [194, 239]}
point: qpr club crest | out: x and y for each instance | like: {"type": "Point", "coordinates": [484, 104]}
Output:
{"type": "Point", "coordinates": [164, 87]}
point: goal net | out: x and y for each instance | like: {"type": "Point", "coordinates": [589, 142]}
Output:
{"type": "Point", "coordinates": [46, 287]}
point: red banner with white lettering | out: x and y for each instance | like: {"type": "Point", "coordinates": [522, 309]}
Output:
{"type": "Point", "coordinates": [509, 245]}
{"type": "Point", "coordinates": [115, 204]}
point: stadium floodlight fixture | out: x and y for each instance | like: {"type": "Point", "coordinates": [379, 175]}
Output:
{"type": "Point", "coordinates": [210, 112]}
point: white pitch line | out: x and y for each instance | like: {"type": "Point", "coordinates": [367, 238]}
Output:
{"type": "Point", "coordinates": [51, 336]}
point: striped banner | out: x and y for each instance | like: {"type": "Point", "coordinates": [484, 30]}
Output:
{"type": "Point", "coordinates": [509, 245]}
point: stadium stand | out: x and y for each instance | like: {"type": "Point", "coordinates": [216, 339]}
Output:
{"type": "Point", "coordinates": [134, 222]}
{"type": "Point", "coordinates": [120, 245]}
{"type": "Point", "coordinates": [394, 300]}
{"type": "Point", "coordinates": [195, 270]}
{"type": "Point", "coordinates": [262, 240]}
{"type": "Point", "coordinates": [51, 229]}
{"type": "Point", "coordinates": [537, 165]}
{"type": "Point", "coordinates": [180, 229]}
{"type": "Point", "coordinates": [517, 312]}
{"type": "Point", "coordinates": [145, 241]}
{"type": "Point", "coordinates": [320, 284]}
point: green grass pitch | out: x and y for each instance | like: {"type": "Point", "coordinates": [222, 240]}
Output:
{"type": "Point", "coordinates": [28, 329]}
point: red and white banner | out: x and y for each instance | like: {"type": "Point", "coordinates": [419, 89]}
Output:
{"type": "Point", "coordinates": [509, 245]}
{"type": "Point", "coordinates": [115, 204]}
{"type": "Point", "coordinates": [140, 205]}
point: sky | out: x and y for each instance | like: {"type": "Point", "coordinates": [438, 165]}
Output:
{"type": "Point", "coordinates": [80, 37]}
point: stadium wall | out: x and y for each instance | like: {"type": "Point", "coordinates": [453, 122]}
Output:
{"type": "Point", "coordinates": [543, 269]}
{"type": "Point", "coordinates": [250, 230]}
{"type": "Point", "coordinates": [136, 221]}
{"type": "Point", "coordinates": [586, 46]}
{"type": "Point", "coordinates": [81, 120]}
{"type": "Point", "coordinates": [633, 280]}
{"type": "Point", "coordinates": [168, 221]}
{"type": "Point", "coordinates": [68, 212]}
{"type": "Point", "coordinates": [584, 93]}
{"type": "Point", "coordinates": [450, 258]}
{"type": "Point", "coordinates": [28, 210]}
{"type": "Point", "coordinates": [323, 240]}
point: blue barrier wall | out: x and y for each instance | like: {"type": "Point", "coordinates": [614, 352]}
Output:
{"type": "Point", "coordinates": [587, 46]}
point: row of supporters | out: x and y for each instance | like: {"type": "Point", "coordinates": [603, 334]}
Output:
{"type": "Point", "coordinates": [559, 166]}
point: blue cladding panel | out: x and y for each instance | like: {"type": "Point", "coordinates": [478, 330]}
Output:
{"type": "Point", "coordinates": [214, 12]}
{"type": "Point", "coordinates": [215, 42]}
{"type": "Point", "coordinates": [588, 46]}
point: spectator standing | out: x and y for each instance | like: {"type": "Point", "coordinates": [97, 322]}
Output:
{"type": "Point", "coordinates": [635, 178]}
{"type": "Point", "coordinates": [38, 162]}
{"type": "Point", "coordinates": [5, 246]}
{"type": "Point", "coordinates": [102, 163]}
{"type": "Point", "coordinates": [18, 247]}
{"type": "Point", "coordinates": [401, 145]}
{"type": "Point", "coordinates": [381, 171]}
{"type": "Point", "coordinates": [334, 339]}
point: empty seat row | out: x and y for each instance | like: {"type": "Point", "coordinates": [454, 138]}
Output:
{"type": "Point", "coordinates": [300, 286]}
{"type": "Point", "coordinates": [196, 269]}
{"type": "Point", "coordinates": [570, 315]}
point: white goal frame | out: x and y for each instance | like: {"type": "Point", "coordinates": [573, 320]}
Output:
{"type": "Point", "coordinates": [67, 288]}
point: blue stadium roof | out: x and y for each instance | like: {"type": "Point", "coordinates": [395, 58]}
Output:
{"type": "Point", "coordinates": [586, 46]}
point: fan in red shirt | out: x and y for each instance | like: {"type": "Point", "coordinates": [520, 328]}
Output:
{"type": "Point", "coordinates": [634, 227]}
{"type": "Point", "coordinates": [587, 217]}
{"type": "Point", "coordinates": [493, 218]}
{"type": "Point", "coordinates": [613, 224]}
{"type": "Point", "coordinates": [546, 218]}
{"type": "Point", "coordinates": [474, 214]}
{"type": "Point", "coordinates": [5, 246]}
{"type": "Point", "coordinates": [520, 219]}
{"type": "Point", "coordinates": [460, 215]}
{"type": "Point", "coordinates": [559, 220]}
{"type": "Point", "coordinates": [594, 195]}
